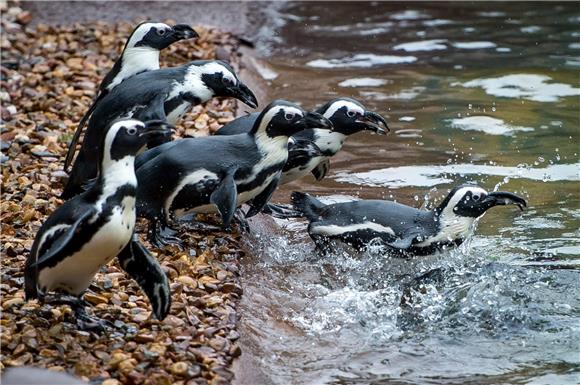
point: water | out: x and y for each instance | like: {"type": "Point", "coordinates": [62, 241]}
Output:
{"type": "Point", "coordinates": [487, 93]}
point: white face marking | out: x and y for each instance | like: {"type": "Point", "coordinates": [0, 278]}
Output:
{"type": "Point", "coordinates": [143, 30]}
{"type": "Point", "coordinates": [330, 230]}
{"type": "Point", "coordinates": [351, 108]}
{"type": "Point", "coordinates": [215, 67]}
{"type": "Point", "coordinates": [453, 226]}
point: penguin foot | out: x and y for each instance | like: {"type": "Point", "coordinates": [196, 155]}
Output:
{"type": "Point", "coordinates": [201, 227]}
{"type": "Point", "coordinates": [241, 221]}
{"type": "Point", "coordinates": [91, 324]}
{"type": "Point", "coordinates": [282, 211]}
{"type": "Point", "coordinates": [165, 237]}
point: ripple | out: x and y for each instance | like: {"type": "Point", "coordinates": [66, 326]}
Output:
{"type": "Point", "coordinates": [407, 118]}
{"type": "Point", "coordinates": [363, 82]}
{"type": "Point", "coordinates": [409, 15]}
{"type": "Point", "coordinates": [488, 125]}
{"type": "Point", "coordinates": [474, 44]}
{"type": "Point", "coordinates": [527, 86]}
{"type": "Point", "coordinates": [427, 176]}
{"type": "Point", "coordinates": [406, 94]}
{"type": "Point", "coordinates": [426, 45]}
{"type": "Point", "coordinates": [362, 60]}
{"type": "Point", "coordinates": [531, 29]}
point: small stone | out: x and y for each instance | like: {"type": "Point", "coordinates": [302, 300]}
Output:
{"type": "Point", "coordinates": [111, 381]}
{"type": "Point", "coordinates": [179, 368]}
{"type": "Point", "coordinates": [188, 281]}
{"type": "Point", "coordinates": [24, 17]}
{"type": "Point", "coordinates": [95, 299]}
{"type": "Point", "coordinates": [144, 338]}
{"type": "Point", "coordinates": [12, 302]}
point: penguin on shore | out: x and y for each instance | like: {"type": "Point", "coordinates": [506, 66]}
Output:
{"type": "Point", "coordinates": [219, 173]}
{"type": "Point", "coordinates": [347, 116]}
{"type": "Point", "coordinates": [140, 54]}
{"type": "Point", "coordinates": [88, 231]}
{"type": "Point", "coordinates": [405, 230]}
{"type": "Point", "coordinates": [164, 94]}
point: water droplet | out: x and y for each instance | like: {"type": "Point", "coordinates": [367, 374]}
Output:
{"type": "Point", "coordinates": [416, 197]}
{"type": "Point", "coordinates": [493, 109]}
{"type": "Point", "coordinates": [541, 159]}
{"type": "Point", "coordinates": [470, 106]}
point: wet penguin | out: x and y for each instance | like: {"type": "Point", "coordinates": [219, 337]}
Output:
{"type": "Point", "coordinates": [88, 231]}
{"type": "Point", "coordinates": [406, 230]}
{"type": "Point", "coordinates": [219, 173]}
{"type": "Point", "coordinates": [140, 54]}
{"type": "Point", "coordinates": [348, 117]}
{"type": "Point", "coordinates": [164, 94]}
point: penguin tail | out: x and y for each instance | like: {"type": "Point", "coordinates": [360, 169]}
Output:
{"type": "Point", "coordinates": [306, 204]}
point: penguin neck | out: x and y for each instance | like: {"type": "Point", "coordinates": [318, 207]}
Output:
{"type": "Point", "coordinates": [450, 225]}
{"type": "Point", "coordinates": [116, 173]}
{"type": "Point", "coordinates": [329, 142]}
{"type": "Point", "coordinates": [135, 60]}
{"type": "Point", "coordinates": [273, 149]}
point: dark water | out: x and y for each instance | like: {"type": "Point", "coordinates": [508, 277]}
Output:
{"type": "Point", "coordinates": [485, 92]}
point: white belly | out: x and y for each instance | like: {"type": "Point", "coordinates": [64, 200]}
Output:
{"type": "Point", "coordinates": [299, 172]}
{"type": "Point", "coordinates": [75, 273]}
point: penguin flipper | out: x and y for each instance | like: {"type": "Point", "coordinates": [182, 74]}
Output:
{"type": "Point", "coordinates": [321, 169]}
{"type": "Point", "coordinates": [136, 260]}
{"type": "Point", "coordinates": [403, 243]}
{"type": "Point", "coordinates": [260, 200]}
{"type": "Point", "coordinates": [225, 198]}
{"type": "Point", "coordinates": [75, 139]}
{"type": "Point", "coordinates": [155, 110]}
{"type": "Point", "coordinates": [62, 241]}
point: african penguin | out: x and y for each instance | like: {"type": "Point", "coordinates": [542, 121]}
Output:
{"type": "Point", "coordinates": [405, 230]}
{"type": "Point", "coordinates": [164, 94]}
{"type": "Point", "coordinates": [219, 173]}
{"type": "Point", "coordinates": [140, 54]}
{"type": "Point", "coordinates": [348, 116]}
{"type": "Point", "coordinates": [88, 231]}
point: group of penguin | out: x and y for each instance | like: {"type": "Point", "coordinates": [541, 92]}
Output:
{"type": "Point", "coordinates": [112, 181]}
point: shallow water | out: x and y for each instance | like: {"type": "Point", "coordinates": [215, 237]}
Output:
{"type": "Point", "coordinates": [472, 92]}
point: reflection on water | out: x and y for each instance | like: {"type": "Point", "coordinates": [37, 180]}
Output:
{"type": "Point", "coordinates": [486, 93]}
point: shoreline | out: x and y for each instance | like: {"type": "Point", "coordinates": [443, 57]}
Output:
{"type": "Point", "coordinates": [201, 331]}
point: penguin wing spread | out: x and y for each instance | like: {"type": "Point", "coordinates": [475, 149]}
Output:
{"type": "Point", "coordinates": [240, 125]}
{"type": "Point", "coordinates": [61, 240]}
{"type": "Point", "coordinates": [136, 260]}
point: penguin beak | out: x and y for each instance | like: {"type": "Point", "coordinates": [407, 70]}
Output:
{"type": "Point", "coordinates": [157, 128]}
{"type": "Point", "coordinates": [315, 120]}
{"type": "Point", "coordinates": [374, 122]}
{"type": "Point", "coordinates": [244, 94]}
{"type": "Point", "coordinates": [184, 31]}
{"type": "Point", "coordinates": [502, 198]}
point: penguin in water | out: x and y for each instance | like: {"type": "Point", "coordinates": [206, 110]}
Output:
{"type": "Point", "coordinates": [219, 173]}
{"type": "Point", "coordinates": [88, 231]}
{"type": "Point", "coordinates": [405, 230]}
{"type": "Point", "coordinates": [164, 94]}
{"type": "Point", "coordinates": [140, 54]}
{"type": "Point", "coordinates": [347, 116]}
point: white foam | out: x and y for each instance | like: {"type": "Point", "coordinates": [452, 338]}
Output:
{"type": "Point", "coordinates": [531, 29]}
{"type": "Point", "coordinates": [426, 45]}
{"type": "Point", "coordinates": [363, 82]}
{"type": "Point", "coordinates": [492, 14]}
{"type": "Point", "coordinates": [503, 49]}
{"type": "Point", "coordinates": [362, 60]}
{"type": "Point", "coordinates": [437, 22]}
{"type": "Point", "coordinates": [574, 46]}
{"type": "Point", "coordinates": [407, 118]}
{"type": "Point", "coordinates": [474, 44]}
{"type": "Point", "coordinates": [409, 15]}
{"type": "Point", "coordinates": [526, 86]}
{"type": "Point", "coordinates": [428, 176]}
{"type": "Point", "coordinates": [488, 125]}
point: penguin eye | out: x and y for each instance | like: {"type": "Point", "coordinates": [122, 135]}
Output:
{"type": "Point", "coordinates": [161, 32]}
{"type": "Point", "coordinates": [132, 130]}
{"type": "Point", "coordinates": [289, 116]}
{"type": "Point", "coordinates": [351, 113]}
{"type": "Point", "coordinates": [227, 81]}
{"type": "Point", "coordinates": [475, 197]}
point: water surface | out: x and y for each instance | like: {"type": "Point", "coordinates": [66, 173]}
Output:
{"type": "Point", "coordinates": [485, 93]}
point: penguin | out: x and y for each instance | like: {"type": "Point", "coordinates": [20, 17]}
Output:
{"type": "Point", "coordinates": [348, 116]}
{"type": "Point", "coordinates": [219, 173]}
{"type": "Point", "coordinates": [140, 54]}
{"type": "Point", "coordinates": [405, 230]}
{"type": "Point", "coordinates": [164, 94]}
{"type": "Point", "coordinates": [88, 231]}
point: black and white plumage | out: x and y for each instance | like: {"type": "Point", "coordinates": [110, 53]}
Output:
{"type": "Point", "coordinates": [347, 115]}
{"type": "Point", "coordinates": [404, 229]}
{"type": "Point", "coordinates": [164, 94]}
{"type": "Point", "coordinates": [94, 227]}
{"type": "Point", "coordinates": [219, 173]}
{"type": "Point", "coordinates": [140, 54]}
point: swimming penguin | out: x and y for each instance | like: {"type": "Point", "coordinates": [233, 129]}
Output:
{"type": "Point", "coordinates": [347, 116]}
{"type": "Point", "coordinates": [140, 54]}
{"type": "Point", "coordinates": [219, 173]}
{"type": "Point", "coordinates": [406, 230]}
{"type": "Point", "coordinates": [88, 231]}
{"type": "Point", "coordinates": [164, 94]}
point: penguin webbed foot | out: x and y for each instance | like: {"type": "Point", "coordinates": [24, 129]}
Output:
{"type": "Point", "coordinates": [160, 236]}
{"type": "Point", "coordinates": [78, 305]}
{"type": "Point", "coordinates": [242, 222]}
{"type": "Point", "coordinates": [281, 211]}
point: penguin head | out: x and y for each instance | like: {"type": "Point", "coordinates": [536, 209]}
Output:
{"type": "Point", "coordinates": [348, 116]}
{"type": "Point", "coordinates": [473, 201]}
{"type": "Point", "coordinates": [220, 78]}
{"type": "Point", "coordinates": [127, 136]}
{"type": "Point", "coordinates": [283, 118]}
{"type": "Point", "coordinates": [158, 36]}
